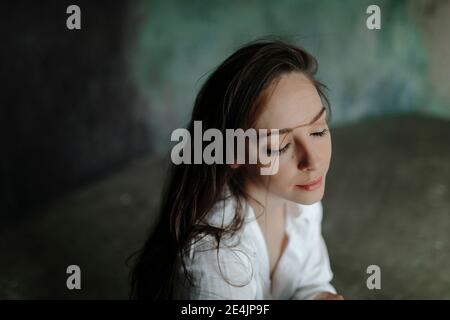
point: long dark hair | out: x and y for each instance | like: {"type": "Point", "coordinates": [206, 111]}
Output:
{"type": "Point", "coordinates": [231, 98]}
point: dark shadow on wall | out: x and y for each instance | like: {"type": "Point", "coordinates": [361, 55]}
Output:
{"type": "Point", "coordinates": [69, 112]}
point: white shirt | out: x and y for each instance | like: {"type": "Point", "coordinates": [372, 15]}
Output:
{"type": "Point", "coordinates": [302, 271]}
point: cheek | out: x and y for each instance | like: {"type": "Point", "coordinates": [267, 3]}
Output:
{"type": "Point", "coordinates": [285, 175]}
{"type": "Point", "coordinates": [328, 150]}
{"type": "Point", "coordinates": [324, 150]}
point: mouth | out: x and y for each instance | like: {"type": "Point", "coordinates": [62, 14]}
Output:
{"type": "Point", "coordinates": [312, 185]}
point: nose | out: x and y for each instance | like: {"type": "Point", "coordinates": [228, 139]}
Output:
{"type": "Point", "coordinates": [308, 160]}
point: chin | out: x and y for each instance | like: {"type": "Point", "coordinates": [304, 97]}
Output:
{"type": "Point", "coordinates": [308, 198]}
{"type": "Point", "coordinates": [309, 201]}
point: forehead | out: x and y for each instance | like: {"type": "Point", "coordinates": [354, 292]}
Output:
{"type": "Point", "coordinates": [292, 100]}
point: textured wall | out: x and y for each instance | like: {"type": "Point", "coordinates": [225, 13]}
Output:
{"type": "Point", "coordinates": [370, 73]}
{"type": "Point", "coordinates": [69, 112]}
{"type": "Point", "coordinates": [432, 18]}
{"type": "Point", "coordinates": [77, 104]}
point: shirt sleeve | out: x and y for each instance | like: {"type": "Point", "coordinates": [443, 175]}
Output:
{"type": "Point", "coordinates": [226, 274]}
{"type": "Point", "coordinates": [316, 272]}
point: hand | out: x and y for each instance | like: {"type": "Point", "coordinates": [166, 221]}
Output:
{"type": "Point", "coordinates": [328, 296]}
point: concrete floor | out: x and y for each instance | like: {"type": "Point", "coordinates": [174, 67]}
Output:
{"type": "Point", "coordinates": [387, 203]}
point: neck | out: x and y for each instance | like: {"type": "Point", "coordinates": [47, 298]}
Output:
{"type": "Point", "coordinates": [266, 205]}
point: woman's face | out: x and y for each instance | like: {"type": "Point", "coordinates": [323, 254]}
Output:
{"type": "Point", "coordinates": [304, 148]}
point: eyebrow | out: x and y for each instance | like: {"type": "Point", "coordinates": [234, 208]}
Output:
{"type": "Point", "coordinates": [316, 117]}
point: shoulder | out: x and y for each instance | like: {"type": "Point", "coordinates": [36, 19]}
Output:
{"type": "Point", "coordinates": [224, 269]}
{"type": "Point", "coordinates": [233, 247]}
{"type": "Point", "coordinates": [223, 212]}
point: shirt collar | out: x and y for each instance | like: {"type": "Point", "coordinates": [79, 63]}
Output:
{"type": "Point", "coordinates": [295, 209]}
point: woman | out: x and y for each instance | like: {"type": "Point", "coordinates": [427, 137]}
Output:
{"type": "Point", "coordinates": [228, 232]}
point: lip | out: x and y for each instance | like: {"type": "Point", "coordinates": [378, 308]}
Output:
{"type": "Point", "coordinates": [311, 185]}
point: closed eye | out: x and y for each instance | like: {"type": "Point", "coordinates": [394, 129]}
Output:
{"type": "Point", "coordinates": [282, 150]}
{"type": "Point", "coordinates": [320, 134]}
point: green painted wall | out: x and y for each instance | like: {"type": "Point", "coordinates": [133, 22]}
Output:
{"type": "Point", "coordinates": [370, 73]}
